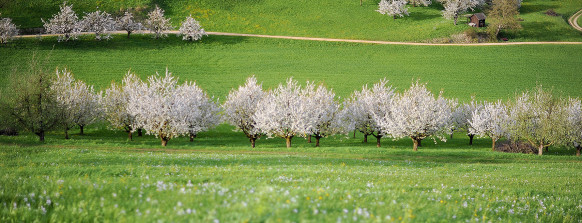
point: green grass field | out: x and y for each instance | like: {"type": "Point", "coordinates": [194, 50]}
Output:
{"type": "Point", "coordinates": [322, 18]}
{"type": "Point", "coordinates": [219, 64]}
{"type": "Point", "coordinates": [103, 177]}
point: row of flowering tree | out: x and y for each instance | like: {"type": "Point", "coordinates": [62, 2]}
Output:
{"type": "Point", "coordinates": [67, 25]}
{"type": "Point", "coordinates": [166, 109]}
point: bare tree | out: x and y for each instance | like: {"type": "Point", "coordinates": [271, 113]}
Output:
{"type": "Point", "coordinates": [503, 15]}
{"type": "Point", "coordinates": [30, 100]}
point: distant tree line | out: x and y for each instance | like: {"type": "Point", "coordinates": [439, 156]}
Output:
{"type": "Point", "coordinates": [39, 100]}
{"type": "Point", "coordinates": [67, 25]}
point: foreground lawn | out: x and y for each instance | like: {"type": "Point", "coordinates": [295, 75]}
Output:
{"type": "Point", "coordinates": [321, 18]}
{"type": "Point", "coordinates": [220, 63]}
{"type": "Point", "coordinates": [218, 177]}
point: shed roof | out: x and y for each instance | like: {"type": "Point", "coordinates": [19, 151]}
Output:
{"type": "Point", "coordinates": [480, 16]}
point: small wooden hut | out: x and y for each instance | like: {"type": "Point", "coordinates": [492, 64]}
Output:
{"type": "Point", "coordinates": [477, 20]}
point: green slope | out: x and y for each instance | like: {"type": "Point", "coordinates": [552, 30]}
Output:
{"type": "Point", "coordinates": [322, 18]}
{"type": "Point", "coordinates": [219, 64]}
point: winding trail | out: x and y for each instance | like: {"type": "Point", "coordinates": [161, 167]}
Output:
{"type": "Point", "coordinates": [573, 20]}
{"type": "Point", "coordinates": [356, 41]}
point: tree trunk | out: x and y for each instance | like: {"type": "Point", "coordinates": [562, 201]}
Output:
{"type": "Point", "coordinates": [365, 138]}
{"type": "Point", "coordinates": [66, 133]}
{"type": "Point", "coordinates": [378, 140]}
{"type": "Point", "coordinates": [455, 18]}
{"type": "Point", "coordinates": [415, 143]}
{"type": "Point", "coordinates": [82, 127]}
{"type": "Point", "coordinates": [128, 33]}
{"type": "Point", "coordinates": [130, 135]}
{"type": "Point", "coordinates": [540, 150]}
{"type": "Point", "coordinates": [578, 148]}
{"type": "Point", "coordinates": [139, 132]}
{"type": "Point", "coordinates": [164, 141]}
{"type": "Point", "coordinates": [192, 136]}
{"type": "Point", "coordinates": [361, 2]}
{"type": "Point", "coordinates": [354, 134]}
{"type": "Point", "coordinates": [394, 17]}
{"type": "Point", "coordinates": [471, 139]}
{"type": "Point", "coordinates": [493, 141]}
{"type": "Point", "coordinates": [309, 139]}
{"type": "Point", "coordinates": [41, 137]}
{"type": "Point", "coordinates": [288, 141]}
{"type": "Point", "coordinates": [452, 135]}
{"type": "Point", "coordinates": [253, 140]}
{"type": "Point", "coordinates": [317, 141]}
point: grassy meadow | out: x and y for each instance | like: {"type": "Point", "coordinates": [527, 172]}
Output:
{"type": "Point", "coordinates": [101, 176]}
{"type": "Point", "coordinates": [219, 178]}
{"type": "Point", "coordinates": [322, 18]}
{"type": "Point", "coordinates": [220, 63]}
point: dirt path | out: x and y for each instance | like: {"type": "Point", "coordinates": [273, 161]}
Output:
{"type": "Point", "coordinates": [574, 20]}
{"type": "Point", "coordinates": [358, 41]}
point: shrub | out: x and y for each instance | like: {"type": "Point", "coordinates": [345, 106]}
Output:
{"type": "Point", "coordinates": [516, 147]}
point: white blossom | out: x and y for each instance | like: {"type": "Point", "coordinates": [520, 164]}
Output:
{"type": "Point", "coordinates": [198, 111]}
{"type": "Point", "coordinates": [454, 8]}
{"type": "Point", "coordinates": [157, 23]}
{"type": "Point", "coordinates": [65, 24]}
{"type": "Point", "coordinates": [7, 30]}
{"type": "Point", "coordinates": [462, 114]}
{"type": "Point", "coordinates": [240, 108]}
{"type": "Point", "coordinates": [127, 23]}
{"type": "Point", "coordinates": [365, 109]}
{"type": "Point", "coordinates": [491, 121]}
{"type": "Point", "coordinates": [417, 114]}
{"type": "Point", "coordinates": [100, 23]}
{"type": "Point", "coordinates": [191, 30]}
{"type": "Point", "coordinates": [168, 110]}
{"type": "Point", "coordinates": [115, 104]}
{"type": "Point", "coordinates": [283, 112]}
{"type": "Point", "coordinates": [420, 2]}
{"type": "Point", "coordinates": [79, 103]}
{"type": "Point", "coordinates": [574, 111]}
{"type": "Point", "coordinates": [393, 8]}
{"type": "Point", "coordinates": [539, 118]}
{"type": "Point", "coordinates": [323, 111]}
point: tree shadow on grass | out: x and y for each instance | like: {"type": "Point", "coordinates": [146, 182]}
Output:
{"type": "Point", "coordinates": [531, 8]}
{"type": "Point", "coordinates": [121, 42]}
{"type": "Point", "coordinates": [544, 31]}
{"type": "Point", "coordinates": [419, 16]}
{"type": "Point", "coordinates": [335, 149]}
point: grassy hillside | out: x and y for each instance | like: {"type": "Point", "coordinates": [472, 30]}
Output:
{"type": "Point", "coordinates": [219, 64]}
{"type": "Point", "coordinates": [322, 18]}
{"type": "Point", "coordinates": [219, 177]}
